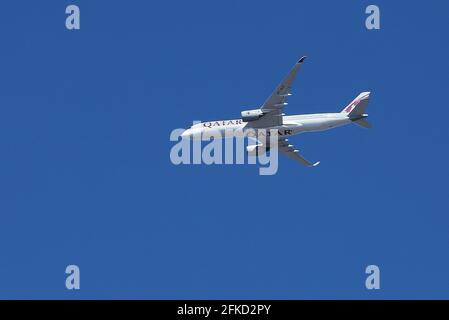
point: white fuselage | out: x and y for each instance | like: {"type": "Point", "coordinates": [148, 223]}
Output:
{"type": "Point", "coordinates": [292, 125]}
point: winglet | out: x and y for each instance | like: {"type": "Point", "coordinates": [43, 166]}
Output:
{"type": "Point", "coordinates": [302, 59]}
{"type": "Point", "coordinates": [315, 164]}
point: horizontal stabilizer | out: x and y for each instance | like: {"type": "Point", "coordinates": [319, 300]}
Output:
{"type": "Point", "coordinates": [363, 123]}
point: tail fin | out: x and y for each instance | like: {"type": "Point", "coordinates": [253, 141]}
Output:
{"type": "Point", "coordinates": [356, 109]}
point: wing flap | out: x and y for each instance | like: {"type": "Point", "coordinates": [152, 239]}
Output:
{"type": "Point", "coordinates": [290, 151]}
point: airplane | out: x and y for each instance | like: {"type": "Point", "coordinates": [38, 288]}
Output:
{"type": "Point", "coordinates": [270, 116]}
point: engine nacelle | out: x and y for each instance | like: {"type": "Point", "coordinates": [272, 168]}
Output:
{"type": "Point", "coordinates": [256, 149]}
{"type": "Point", "coordinates": [251, 115]}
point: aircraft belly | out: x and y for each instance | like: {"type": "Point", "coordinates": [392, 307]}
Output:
{"type": "Point", "coordinates": [323, 124]}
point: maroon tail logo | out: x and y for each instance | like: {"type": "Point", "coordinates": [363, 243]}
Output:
{"type": "Point", "coordinates": [349, 108]}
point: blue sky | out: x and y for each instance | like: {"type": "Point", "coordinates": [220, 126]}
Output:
{"type": "Point", "coordinates": [86, 178]}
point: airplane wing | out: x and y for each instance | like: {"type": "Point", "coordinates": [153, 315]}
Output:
{"type": "Point", "coordinates": [275, 103]}
{"type": "Point", "coordinates": [290, 151]}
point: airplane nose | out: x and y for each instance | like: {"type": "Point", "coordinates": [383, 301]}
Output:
{"type": "Point", "coordinates": [186, 134]}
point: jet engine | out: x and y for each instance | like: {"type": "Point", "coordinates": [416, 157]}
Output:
{"type": "Point", "coordinates": [251, 115]}
{"type": "Point", "coordinates": [256, 149]}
